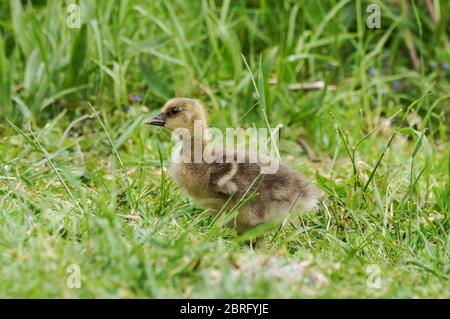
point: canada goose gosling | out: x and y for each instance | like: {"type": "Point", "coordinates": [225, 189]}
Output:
{"type": "Point", "coordinates": [212, 184]}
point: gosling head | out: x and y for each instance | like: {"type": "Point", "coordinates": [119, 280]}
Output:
{"type": "Point", "coordinates": [179, 113]}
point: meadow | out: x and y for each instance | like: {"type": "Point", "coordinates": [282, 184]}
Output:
{"type": "Point", "coordinates": [87, 208]}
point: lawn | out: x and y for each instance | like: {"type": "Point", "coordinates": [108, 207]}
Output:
{"type": "Point", "coordinates": [87, 208]}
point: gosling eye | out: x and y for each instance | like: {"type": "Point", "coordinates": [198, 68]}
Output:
{"type": "Point", "coordinates": [174, 111]}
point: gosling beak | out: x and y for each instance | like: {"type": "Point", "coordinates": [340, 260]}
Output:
{"type": "Point", "coordinates": [158, 120]}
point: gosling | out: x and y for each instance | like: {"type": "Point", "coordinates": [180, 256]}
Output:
{"type": "Point", "coordinates": [225, 182]}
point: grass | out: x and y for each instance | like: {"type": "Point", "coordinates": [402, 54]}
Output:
{"type": "Point", "coordinates": [83, 182]}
